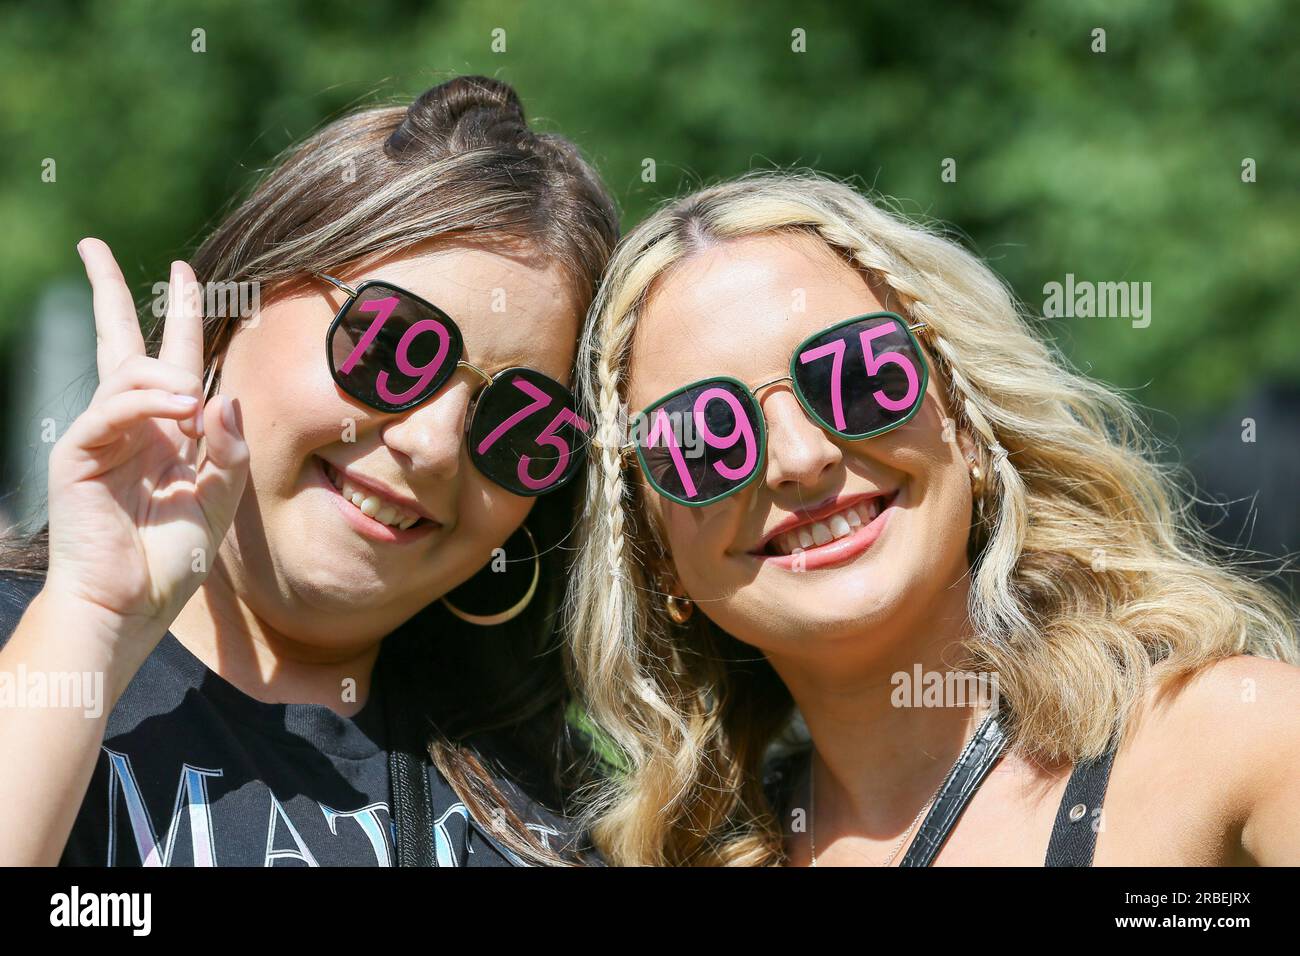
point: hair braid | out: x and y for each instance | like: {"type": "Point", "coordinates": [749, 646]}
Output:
{"type": "Point", "coordinates": [1010, 504]}
{"type": "Point", "coordinates": [1073, 643]}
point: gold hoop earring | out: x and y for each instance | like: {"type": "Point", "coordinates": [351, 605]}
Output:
{"type": "Point", "coordinates": [515, 609]}
{"type": "Point", "coordinates": [679, 609]}
{"type": "Point", "coordinates": [977, 477]}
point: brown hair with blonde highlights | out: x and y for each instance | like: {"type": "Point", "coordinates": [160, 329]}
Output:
{"type": "Point", "coordinates": [459, 164]}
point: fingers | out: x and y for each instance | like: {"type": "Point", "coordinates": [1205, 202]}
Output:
{"type": "Point", "coordinates": [140, 371]}
{"type": "Point", "coordinates": [182, 343]}
{"type": "Point", "coordinates": [108, 420]}
{"type": "Point", "coordinates": [117, 330]}
{"type": "Point", "coordinates": [143, 372]}
{"type": "Point", "coordinates": [224, 471]}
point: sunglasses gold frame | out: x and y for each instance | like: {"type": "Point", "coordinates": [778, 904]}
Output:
{"type": "Point", "coordinates": [487, 378]}
{"type": "Point", "coordinates": [628, 449]}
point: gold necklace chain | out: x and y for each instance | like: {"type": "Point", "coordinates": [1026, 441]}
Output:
{"type": "Point", "coordinates": [812, 820]}
{"type": "Point", "coordinates": [812, 812]}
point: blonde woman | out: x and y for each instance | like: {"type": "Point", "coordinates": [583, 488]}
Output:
{"type": "Point", "coordinates": [834, 460]}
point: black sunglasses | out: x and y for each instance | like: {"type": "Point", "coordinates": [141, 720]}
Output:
{"type": "Point", "coordinates": [391, 350]}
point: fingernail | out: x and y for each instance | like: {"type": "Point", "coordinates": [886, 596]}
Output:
{"type": "Point", "coordinates": [180, 399]}
{"type": "Point", "coordinates": [228, 417]}
{"type": "Point", "coordinates": [79, 251]}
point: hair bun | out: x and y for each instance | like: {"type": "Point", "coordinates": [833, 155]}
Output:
{"type": "Point", "coordinates": [462, 113]}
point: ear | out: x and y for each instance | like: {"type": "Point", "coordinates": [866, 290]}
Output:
{"type": "Point", "coordinates": [663, 575]}
{"type": "Point", "coordinates": [658, 566]}
{"type": "Point", "coordinates": [969, 450]}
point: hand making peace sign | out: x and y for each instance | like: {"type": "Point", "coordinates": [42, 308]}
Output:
{"type": "Point", "coordinates": [135, 505]}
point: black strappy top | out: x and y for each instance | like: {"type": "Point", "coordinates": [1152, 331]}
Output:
{"type": "Point", "coordinates": [1073, 839]}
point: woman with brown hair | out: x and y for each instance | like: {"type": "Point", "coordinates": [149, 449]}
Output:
{"type": "Point", "coordinates": [837, 468]}
{"type": "Point", "coordinates": [308, 551]}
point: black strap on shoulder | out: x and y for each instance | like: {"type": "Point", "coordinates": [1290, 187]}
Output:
{"type": "Point", "coordinates": [972, 766]}
{"type": "Point", "coordinates": [1074, 835]}
{"type": "Point", "coordinates": [408, 777]}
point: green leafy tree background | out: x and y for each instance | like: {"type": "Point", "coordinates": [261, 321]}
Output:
{"type": "Point", "coordinates": [1123, 165]}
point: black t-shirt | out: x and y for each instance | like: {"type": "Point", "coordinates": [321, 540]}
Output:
{"type": "Point", "coordinates": [194, 772]}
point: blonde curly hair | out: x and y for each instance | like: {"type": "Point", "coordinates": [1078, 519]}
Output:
{"type": "Point", "coordinates": [1072, 475]}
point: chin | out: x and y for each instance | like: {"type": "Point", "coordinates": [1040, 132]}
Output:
{"type": "Point", "coordinates": [844, 602]}
{"type": "Point", "coordinates": [849, 614]}
{"type": "Point", "coordinates": [323, 587]}
{"type": "Point", "coordinates": [863, 583]}
{"type": "Point", "coordinates": [332, 584]}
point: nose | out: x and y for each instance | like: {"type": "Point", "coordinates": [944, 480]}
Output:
{"type": "Point", "coordinates": [799, 453]}
{"type": "Point", "coordinates": [431, 435]}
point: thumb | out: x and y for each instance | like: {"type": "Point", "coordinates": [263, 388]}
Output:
{"type": "Point", "coordinates": [221, 476]}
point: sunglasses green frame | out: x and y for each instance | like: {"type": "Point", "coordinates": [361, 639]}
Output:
{"type": "Point", "coordinates": [761, 423]}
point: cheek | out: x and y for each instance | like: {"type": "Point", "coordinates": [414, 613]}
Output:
{"type": "Point", "coordinates": [290, 403]}
{"type": "Point", "coordinates": [698, 539]}
{"type": "Point", "coordinates": [950, 498]}
{"type": "Point", "coordinates": [938, 522]}
{"type": "Point", "coordinates": [487, 517]}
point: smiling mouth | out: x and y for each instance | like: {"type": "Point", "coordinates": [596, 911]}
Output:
{"type": "Point", "coordinates": [372, 505]}
{"type": "Point", "coordinates": [828, 528]}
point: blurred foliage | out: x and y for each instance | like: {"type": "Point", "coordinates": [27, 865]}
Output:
{"type": "Point", "coordinates": [1120, 166]}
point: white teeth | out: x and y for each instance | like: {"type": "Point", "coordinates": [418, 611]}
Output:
{"type": "Point", "coordinates": [838, 525]}
{"type": "Point", "coordinates": [385, 512]}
